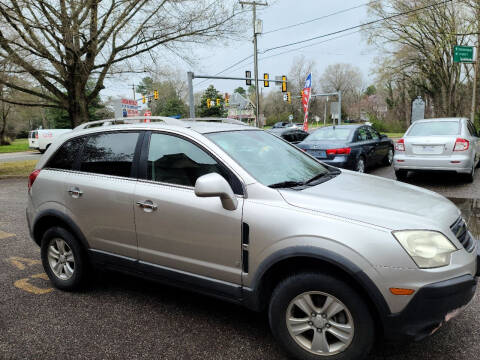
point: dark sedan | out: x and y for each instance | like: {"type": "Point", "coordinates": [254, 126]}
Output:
{"type": "Point", "coordinates": [292, 134]}
{"type": "Point", "coordinates": [354, 147]}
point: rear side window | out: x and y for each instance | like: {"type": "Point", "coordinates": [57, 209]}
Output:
{"type": "Point", "coordinates": [64, 157]}
{"type": "Point", "coordinates": [433, 128]}
{"type": "Point", "coordinates": [374, 135]}
{"type": "Point", "coordinates": [362, 134]}
{"type": "Point", "coordinates": [471, 128]}
{"type": "Point", "coordinates": [109, 153]}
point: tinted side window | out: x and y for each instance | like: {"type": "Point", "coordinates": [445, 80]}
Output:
{"type": "Point", "coordinates": [177, 161]}
{"type": "Point", "coordinates": [109, 153]}
{"type": "Point", "coordinates": [65, 156]}
{"type": "Point", "coordinates": [471, 128]}
{"type": "Point", "coordinates": [373, 133]}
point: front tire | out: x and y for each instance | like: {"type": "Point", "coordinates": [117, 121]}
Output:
{"type": "Point", "coordinates": [63, 259]}
{"type": "Point", "coordinates": [316, 316]}
{"type": "Point", "coordinates": [388, 160]}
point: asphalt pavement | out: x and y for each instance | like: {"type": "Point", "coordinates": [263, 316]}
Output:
{"type": "Point", "coordinates": [20, 156]}
{"type": "Point", "coordinates": [121, 317]}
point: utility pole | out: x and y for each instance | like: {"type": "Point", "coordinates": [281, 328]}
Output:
{"type": "Point", "coordinates": [133, 88]}
{"type": "Point", "coordinates": [475, 66]}
{"type": "Point", "coordinates": [255, 56]}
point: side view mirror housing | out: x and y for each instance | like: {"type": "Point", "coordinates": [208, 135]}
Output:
{"type": "Point", "coordinates": [213, 185]}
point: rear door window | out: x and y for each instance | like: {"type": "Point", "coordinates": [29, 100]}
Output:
{"type": "Point", "coordinates": [109, 153]}
{"type": "Point", "coordinates": [64, 158]}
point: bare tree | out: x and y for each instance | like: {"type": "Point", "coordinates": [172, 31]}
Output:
{"type": "Point", "coordinates": [418, 48]}
{"type": "Point", "coordinates": [63, 44]}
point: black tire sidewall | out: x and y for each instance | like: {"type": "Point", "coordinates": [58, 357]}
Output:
{"type": "Point", "coordinates": [287, 290]}
{"type": "Point", "coordinates": [361, 158]}
{"type": "Point", "coordinates": [79, 274]}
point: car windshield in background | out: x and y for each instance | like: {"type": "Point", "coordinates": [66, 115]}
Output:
{"type": "Point", "coordinates": [267, 158]}
{"type": "Point", "coordinates": [433, 128]}
{"type": "Point", "coordinates": [331, 133]}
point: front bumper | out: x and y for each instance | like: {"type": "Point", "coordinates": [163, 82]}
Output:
{"type": "Point", "coordinates": [433, 305]}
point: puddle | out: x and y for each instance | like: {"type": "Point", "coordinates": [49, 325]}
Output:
{"type": "Point", "coordinates": [470, 209]}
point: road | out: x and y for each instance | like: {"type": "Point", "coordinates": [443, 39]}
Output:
{"type": "Point", "coordinates": [119, 317]}
{"type": "Point", "coordinates": [20, 156]}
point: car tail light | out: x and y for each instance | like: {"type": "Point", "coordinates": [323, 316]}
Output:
{"type": "Point", "coordinates": [36, 135]}
{"type": "Point", "coordinates": [341, 151]}
{"type": "Point", "coordinates": [461, 144]}
{"type": "Point", "coordinates": [400, 145]}
{"type": "Point", "coordinates": [32, 177]}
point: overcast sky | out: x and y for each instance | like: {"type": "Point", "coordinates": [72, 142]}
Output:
{"type": "Point", "coordinates": [210, 59]}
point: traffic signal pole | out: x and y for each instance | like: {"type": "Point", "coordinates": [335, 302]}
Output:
{"type": "Point", "coordinates": [191, 76]}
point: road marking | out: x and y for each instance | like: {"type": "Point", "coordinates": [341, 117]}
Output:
{"type": "Point", "coordinates": [20, 262]}
{"type": "Point", "coordinates": [25, 285]}
{"type": "Point", "coordinates": [4, 235]}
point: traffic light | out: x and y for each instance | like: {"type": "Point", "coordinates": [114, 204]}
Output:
{"type": "Point", "coordinates": [227, 99]}
{"type": "Point", "coordinates": [266, 83]}
{"type": "Point", "coordinates": [155, 94]}
{"type": "Point", "coordinates": [218, 102]}
{"type": "Point", "coordinates": [301, 93]}
{"type": "Point", "coordinates": [284, 83]}
{"type": "Point", "coordinates": [143, 99]}
{"type": "Point", "coordinates": [208, 103]}
{"type": "Point", "coordinates": [248, 75]}
{"type": "Point", "coordinates": [289, 97]}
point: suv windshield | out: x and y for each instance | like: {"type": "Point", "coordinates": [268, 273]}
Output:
{"type": "Point", "coordinates": [435, 128]}
{"type": "Point", "coordinates": [330, 133]}
{"type": "Point", "coordinates": [267, 158]}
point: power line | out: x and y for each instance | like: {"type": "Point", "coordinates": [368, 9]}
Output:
{"type": "Point", "coordinates": [360, 25]}
{"type": "Point", "coordinates": [320, 18]}
{"type": "Point", "coordinates": [228, 68]}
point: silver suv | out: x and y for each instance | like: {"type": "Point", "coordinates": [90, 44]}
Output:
{"type": "Point", "coordinates": [336, 258]}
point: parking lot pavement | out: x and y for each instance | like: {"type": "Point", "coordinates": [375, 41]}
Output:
{"type": "Point", "coordinates": [119, 317]}
{"type": "Point", "coordinates": [20, 156]}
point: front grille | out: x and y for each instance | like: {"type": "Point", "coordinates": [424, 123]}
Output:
{"type": "Point", "coordinates": [460, 230]}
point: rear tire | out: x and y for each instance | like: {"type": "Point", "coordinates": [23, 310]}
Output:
{"type": "Point", "coordinates": [470, 177]}
{"type": "Point", "coordinates": [63, 259]}
{"type": "Point", "coordinates": [360, 166]}
{"type": "Point", "coordinates": [342, 330]}
{"type": "Point", "coordinates": [401, 175]}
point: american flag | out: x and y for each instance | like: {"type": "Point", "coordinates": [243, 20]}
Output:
{"type": "Point", "coordinates": [306, 99]}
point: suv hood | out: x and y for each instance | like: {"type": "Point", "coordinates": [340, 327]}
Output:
{"type": "Point", "coordinates": [377, 201]}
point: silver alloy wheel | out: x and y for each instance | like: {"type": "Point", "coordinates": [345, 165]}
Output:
{"type": "Point", "coordinates": [361, 165]}
{"type": "Point", "coordinates": [61, 259]}
{"type": "Point", "coordinates": [320, 323]}
{"type": "Point", "coordinates": [390, 156]}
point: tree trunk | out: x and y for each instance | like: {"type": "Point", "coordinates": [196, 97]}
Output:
{"type": "Point", "coordinates": [78, 106]}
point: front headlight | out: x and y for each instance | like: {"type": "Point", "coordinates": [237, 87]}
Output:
{"type": "Point", "coordinates": [429, 249]}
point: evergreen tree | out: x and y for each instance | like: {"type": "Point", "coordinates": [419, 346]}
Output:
{"type": "Point", "coordinates": [215, 111]}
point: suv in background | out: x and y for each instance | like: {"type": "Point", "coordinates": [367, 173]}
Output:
{"type": "Point", "coordinates": [203, 206]}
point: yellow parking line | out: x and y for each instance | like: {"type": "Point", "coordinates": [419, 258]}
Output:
{"type": "Point", "coordinates": [20, 262]}
{"type": "Point", "coordinates": [26, 286]}
{"type": "Point", "coordinates": [4, 235]}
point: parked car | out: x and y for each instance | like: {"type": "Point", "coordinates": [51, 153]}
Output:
{"type": "Point", "coordinates": [282, 124]}
{"type": "Point", "coordinates": [292, 135]}
{"type": "Point", "coordinates": [447, 144]}
{"type": "Point", "coordinates": [354, 147]}
{"type": "Point", "coordinates": [43, 138]}
{"type": "Point", "coordinates": [203, 206]}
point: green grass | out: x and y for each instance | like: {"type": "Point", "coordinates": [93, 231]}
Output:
{"type": "Point", "coordinates": [17, 168]}
{"type": "Point", "coordinates": [17, 145]}
{"type": "Point", "coordinates": [394, 135]}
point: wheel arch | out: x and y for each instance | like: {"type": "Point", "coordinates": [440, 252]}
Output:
{"type": "Point", "coordinates": [50, 218]}
{"type": "Point", "coordinates": [289, 261]}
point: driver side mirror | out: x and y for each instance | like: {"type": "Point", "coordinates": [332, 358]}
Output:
{"type": "Point", "coordinates": [214, 185]}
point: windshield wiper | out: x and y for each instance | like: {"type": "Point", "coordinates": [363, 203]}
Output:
{"type": "Point", "coordinates": [286, 184]}
{"type": "Point", "coordinates": [332, 172]}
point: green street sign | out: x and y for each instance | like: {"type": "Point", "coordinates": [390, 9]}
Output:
{"type": "Point", "coordinates": [463, 54]}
